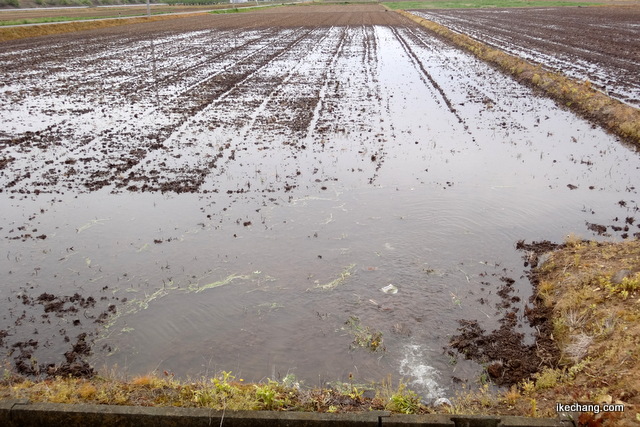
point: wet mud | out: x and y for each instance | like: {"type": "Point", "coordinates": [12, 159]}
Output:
{"type": "Point", "coordinates": [504, 352]}
{"type": "Point", "coordinates": [30, 357]}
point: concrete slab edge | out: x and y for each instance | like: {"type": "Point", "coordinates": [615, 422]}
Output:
{"type": "Point", "coordinates": [22, 413]}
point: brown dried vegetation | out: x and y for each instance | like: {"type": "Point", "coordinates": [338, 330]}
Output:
{"type": "Point", "coordinates": [593, 291]}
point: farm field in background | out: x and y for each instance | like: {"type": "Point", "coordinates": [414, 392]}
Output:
{"type": "Point", "coordinates": [596, 44]}
{"type": "Point", "coordinates": [37, 15]}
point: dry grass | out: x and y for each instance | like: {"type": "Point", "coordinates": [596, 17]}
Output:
{"type": "Point", "coordinates": [222, 392]}
{"type": "Point", "coordinates": [619, 118]}
{"type": "Point", "coordinates": [597, 328]}
{"type": "Point", "coordinates": [597, 322]}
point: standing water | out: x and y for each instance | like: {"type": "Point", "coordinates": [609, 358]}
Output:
{"type": "Point", "coordinates": [310, 201]}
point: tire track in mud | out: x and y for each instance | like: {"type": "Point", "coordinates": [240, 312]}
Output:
{"type": "Point", "coordinates": [166, 52]}
{"type": "Point", "coordinates": [371, 58]}
{"type": "Point", "coordinates": [269, 99]}
{"type": "Point", "coordinates": [426, 75]}
{"type": "Point", "coordinates": [193, 66]}
{"type": "Point", "coordinates": [280, 123]}
{"type": "Point", "coordinates": [86, 56]}
{"type": "Point", "coordinates": [473, 92]}
{"type": "Point", "coordinates": [345, 100]}
{"type": "Point", "coordinates": [289, 97]}
{"type": "Point", "coordinates": [230, 84]}
{"type": "Point", "coordinates": [463, 92]}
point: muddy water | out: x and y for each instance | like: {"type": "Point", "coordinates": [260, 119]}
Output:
{"type": "Point", "coordinates": [352, 158]}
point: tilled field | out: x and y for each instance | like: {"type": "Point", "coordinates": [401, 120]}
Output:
{"type": "Point", "coordinates": [248, 186]}
{"type": "Point", "coordinates": [99, 12]}
{"type": "Point", "coordinates": [151, 92]}
{"type": "Point", "coordinates": [599, 44]}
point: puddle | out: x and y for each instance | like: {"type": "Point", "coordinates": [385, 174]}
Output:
{"type": "Point", "coordinates": [270, 190]}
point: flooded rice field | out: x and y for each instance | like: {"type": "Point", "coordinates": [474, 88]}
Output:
{"type": "Point", "coordinates": [595, 44]}
{"type": "Point", "coordinates": [236, 193]}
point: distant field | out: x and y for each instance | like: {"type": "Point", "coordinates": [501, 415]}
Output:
{"type": "Point", "coordinates": [464, 4]}
{"type": "Point", "coordinates": [595, 44]}
{"type": "Point", "coordinates": [41, 15]}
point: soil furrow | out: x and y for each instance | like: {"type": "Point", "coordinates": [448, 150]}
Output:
{"type": "Point", "coordinates": [420, 66]}
{"type": "Point", "coordinates": [325, 80]}
{"type": "Point", "coordinates": [595, 44]}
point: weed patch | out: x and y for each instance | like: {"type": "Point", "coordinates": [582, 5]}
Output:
{"type": "Point", "coordinates": [363, 336]}
{"type": "Point", "coordinates": [223, 392]}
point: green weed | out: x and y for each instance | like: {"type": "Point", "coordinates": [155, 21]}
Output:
{"type": "Point", "coordinates": [363, 336]}
{"type": "Point", "coordinates": [404, 401]}
{"type": "Point", "coordinates": [267, 395]}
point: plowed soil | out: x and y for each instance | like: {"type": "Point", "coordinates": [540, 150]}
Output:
{"type": "Point", "coordinates": [100, 158]}
{"type": "Point", "coordinates": [100, 12]}
{"type": "Point", "coordinates": [599, 44]}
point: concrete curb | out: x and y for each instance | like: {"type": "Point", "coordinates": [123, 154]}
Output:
{"type": "Point", "coordinates": [14, 413]}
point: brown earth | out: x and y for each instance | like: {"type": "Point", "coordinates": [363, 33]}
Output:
{"type": "Point", "coordinates": [507, 358]}
{"type": "Point", "coordinates": [354, 14]}
{"type": "Point", "coordinates": [106, 12]}
{"type": "Point", "coordinates": [97, 12]}
{"type": "Point", "coordinates": [327, 15]}
{"type": "Point", "coordinates": [599, 44]}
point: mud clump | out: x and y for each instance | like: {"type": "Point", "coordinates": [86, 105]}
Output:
{"type": "Point", "coordinates": [25, 363]}
{"type": "Point", "coordinates": [599, 229]}
{"type": "Point", "coordinates": [76, 364]}
{"type": "Point", "coordinates": [508, 359]}
{"type": "Point", "coordinates": [26, 352]}
{"type": "Point", "coordinates": [533, 251]}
